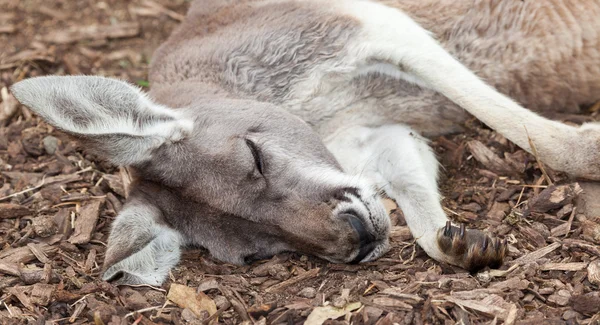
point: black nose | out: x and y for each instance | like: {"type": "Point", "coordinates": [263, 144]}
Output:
{"type": "Point", "coordinates": [367, 241]}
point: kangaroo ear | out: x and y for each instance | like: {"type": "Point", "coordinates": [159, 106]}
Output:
{"type": "Point", "coordinates": [116, 118]}
{"type": "Point", "coordinates": [141, 249]}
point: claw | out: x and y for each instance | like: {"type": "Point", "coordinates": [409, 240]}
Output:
{"type": "Point", "coordinates": [471, 249]}
{"type": "Point", "coordinates": [448, 229]}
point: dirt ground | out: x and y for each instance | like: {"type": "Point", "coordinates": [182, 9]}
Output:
{"type": "Point", "coordinates": [57, 202]}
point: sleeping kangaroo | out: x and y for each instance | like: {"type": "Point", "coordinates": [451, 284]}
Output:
{"type": "Point", "coordinates": [276, 125]}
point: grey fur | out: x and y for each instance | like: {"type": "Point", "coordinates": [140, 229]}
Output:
{"type": "Point", "coordinates": [242, 70]}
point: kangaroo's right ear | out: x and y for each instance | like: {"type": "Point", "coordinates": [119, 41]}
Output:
{"type": "Point", "coordinates": [115, 118]}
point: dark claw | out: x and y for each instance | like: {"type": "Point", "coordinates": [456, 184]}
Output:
{"type": "Point", "coordinates": [462, 231]}
{"type": "Point", "coordinates": [485, 243]}
{"type": "Point", "coordinates": [448, 229]}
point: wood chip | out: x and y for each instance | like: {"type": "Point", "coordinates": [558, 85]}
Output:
{"type": "Point", "coordinates": [479, 306]}
{"type": "Point", "coordinates": [476, 294]}
{"type": "Point", "coordinates": [591, 229]}
{"type": "Point", "coordinates": [532, 236]}
{"type": "Point", "coordinates": [393, 303]}
{"type": "Point", "coordinates": [126, 179]}
{"type": "Point", "coordinates": [9, 105]}
{"type": "Point", "coordinates": [593, 272]}
{"type": "Point", "coordinates": [22, 293]}
{"type": "Point", "coordinates": [582, 245]}
{"type": "Point", "coordinates": [78, 310]}
{"type": "Point", "coordinates": [263, 310]}
{"type": "Point", "coordinates": [299, 278]}
{"type": "Point", "coordinates": [511, 284]}
{"type": "Point", "coordinates": [31, 276]}
{"type": "Point", "coordinates": [38, 252]}
{"type": "Point", "coordinates": [7, 29]}
{"type": "Point", "coordinates": [26, 56]}
{"type": "Point", "coordinates": [576, 266]}
{"type": "Point", "coordinates": [93, 32]}
{"type": "Point", "coordinates": [56, 14]}
{"type": "Point", "coordinates": [397, 293]}
{"type": "Point", "coordinates": [488, 158]}
{"type": "Point", "coordinates": [115, 182]}
{"type": "Point", "coordinates": [588, 304]}
{"type": "Point", "coordinates": [208, 284]}
{"type": "Point", "coordinates": [401, 234]}
{"type": "Point", "coordinates": [11, 211]}
{"type": "Point", "coordinates": [536, 255]}
{"type": "Point", "coordinates": [152, 9]}
{"type": "Point", "coordinates": [511, 317]}
{"type": "Point", "coordinates": [90, 261]}
{"type": "Point", "coordinates": [9, 268]}
{"type": "Point", "coordinates": [554, 197]}
{"type": "Point", "coordinates": [86, 222]}
{"type": "Point", "coordinates": [24, 254]}
{"type": "Point", "coordinates": [41, 294]}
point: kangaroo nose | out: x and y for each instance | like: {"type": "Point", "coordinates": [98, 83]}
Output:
{"type": "Point", "coordinates": [366, 241]}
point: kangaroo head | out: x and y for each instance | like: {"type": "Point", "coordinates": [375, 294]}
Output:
{"type": "Point", "coordinates": [243, 179]}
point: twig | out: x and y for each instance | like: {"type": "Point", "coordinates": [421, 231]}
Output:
{"type": "Point", "coordinates": [141, 285]}
{"type": "Point", "coordinates": [218, 313]}
{"type": "Point", "coordinates": [143, 310]}
{"type": "Point", "coordinates": [299, 278]}
{"type": "Point", "coordinates": [537, 158]}
{"type": "Point", "coordinates": [520, 197]}
{"type": "Point", "coordinates": [26, 190]}
{"type": "Point", "coordinates": [138, 320]}
{"type": "Point", "coordinates": [570, 222]}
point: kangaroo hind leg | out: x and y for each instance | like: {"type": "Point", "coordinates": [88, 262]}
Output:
{"type": "Point", "coordinates": [389, 36]}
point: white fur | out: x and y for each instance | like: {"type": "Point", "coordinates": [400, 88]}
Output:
{"type": "Point", "coordinates": [399, 161]}
{"type": "Point", "coordinates": [375, 155]}
{"type": "Point", "coordinates": [390, 36]}
{"type": "Point", "coordinates": [148, 262]}
{"type": "Point", "coordinates": [47, 97]}
{"type": "Point", "coordinates": [368, 203]}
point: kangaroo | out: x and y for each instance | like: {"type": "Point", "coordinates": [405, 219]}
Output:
{"type": "Point", "coordinates": [277, 125]}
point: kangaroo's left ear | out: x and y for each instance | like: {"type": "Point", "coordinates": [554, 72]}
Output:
{"type": "Point", "coordinates": [119, 121]}
{"type": "Point", "coordinates": [141, 247]}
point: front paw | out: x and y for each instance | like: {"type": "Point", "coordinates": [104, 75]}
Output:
{"type": "Point", "coordinates": [470, 249]}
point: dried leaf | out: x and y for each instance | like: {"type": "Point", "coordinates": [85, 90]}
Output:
{"type": "Point", "coordinates": [320, 314]}
{"type": "Point", "coordinates": [186, 297]}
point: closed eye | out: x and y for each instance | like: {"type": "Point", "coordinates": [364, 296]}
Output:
{"type": "Point", "coordinates": [258, 160]}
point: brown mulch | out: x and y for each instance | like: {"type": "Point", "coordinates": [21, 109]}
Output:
{"type": "Point", "coordinates": [57, 203]}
